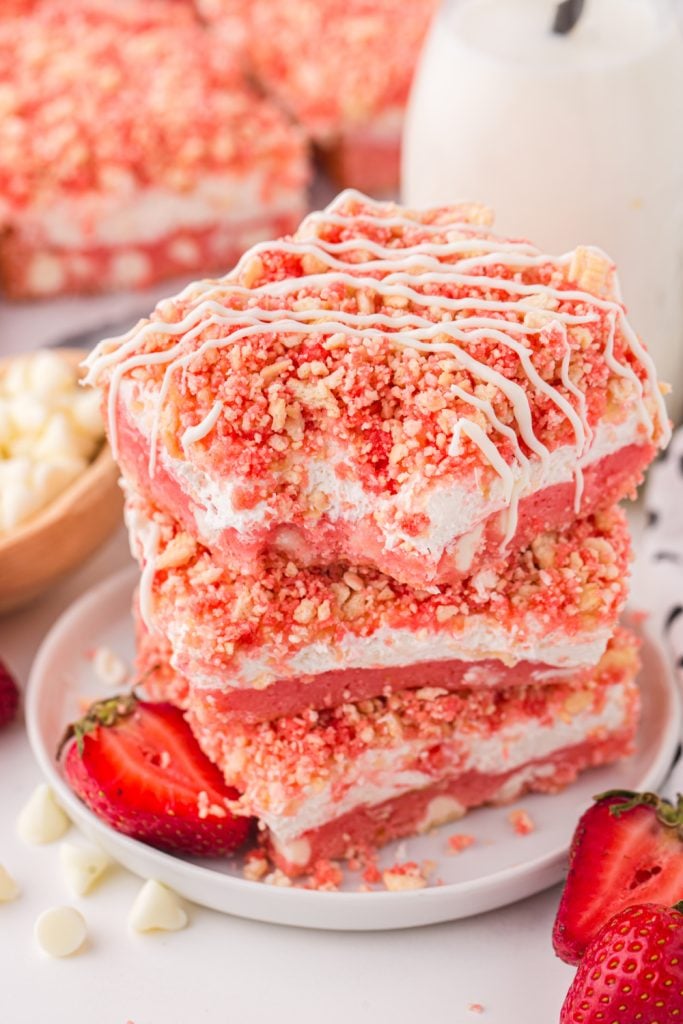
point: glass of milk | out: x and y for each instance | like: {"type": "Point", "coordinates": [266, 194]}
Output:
{"type": "Point", "coordinates": [572, 139]}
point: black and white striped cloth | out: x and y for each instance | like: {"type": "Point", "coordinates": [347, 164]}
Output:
{"type": "Point", "coordinates": [658, 582]}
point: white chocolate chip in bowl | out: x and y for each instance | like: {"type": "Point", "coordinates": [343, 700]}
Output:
{"type": "Point", "coordinates": [157, 908]}
{"type": "Point", "coordinates": [47, 374]}
{"type": "Point", "coordinates": [42, 820]}
{"type": "Point", "coordinates": [51, 477]}
{"type": "Point", "coordinates": [82, 866]}
{"type": "Point", "coordinates": [15, 377]}
{"type": "Point", "coordinates": [60, 439]}
{"type": "Point", "coordinates": [18, 499]}
{"type": "Point", "coordinates": [6, 426]}
{"type": "Point", "coordinates": [86, 413]}
{"type": "Point", "coordinates": [27, 413]}
{"type": "Point", "coordinates": [59, 494]}
{"type": "Point", "coordinates": [60, 931]}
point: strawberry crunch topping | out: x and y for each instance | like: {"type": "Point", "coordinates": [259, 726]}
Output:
{"type": "Point", "coordinates": [98, 100]}
{"type": "Point", "coordinates": [571, 582]}
{"type": "Point", "coordinates": [459, 842]}
{"type": "Point", "coordinates": [277, 763]}
{"type": "Point", "coordinates": [406, 875]}
{"type": "Point", "coordinates": [522, 822]}
{"type": "Point", "coordinates": [399, 347]}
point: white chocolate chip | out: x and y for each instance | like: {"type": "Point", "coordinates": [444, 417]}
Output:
{"type": "Point", "coordinates": [441, 809]}
{"type": "Point", "coordinates": [49, 431]}
{"type": "Point", "coordinates": [59, 438]}
{"type": "Point", "coordinates": [396, 881]}
{"type": "Point", "coordinates": [129, 268]}
{"type": "Point", "coordinates": [45, 275]}
{"type": "Point", "coordinates": [50, 478]}
{"type": "Point", "coordinates": [110, 669]}
{"type": "Point", "coordinates": [184, 250]}
{"type": "Point", "coordinates": [7, 431]}
{"type": "Point", "coordinates": [28, 413]}
{"type": "Point", "coordinates": [156, 908]}
{"type": "Point", "coordinates": [60, 931]}
{"type": "Point", "coordinates": [297, 852]}
{"type": "Point", "coordinates": [48, 374]}
{"type": "Point", "coordinates": [9, 890]}
{"type": "Point", "coordinates": [86, 414]}
{"type": "Point", "coordinates": [82, 866]}
{"type": "Point", "coordinates": [18, 500]}
{"type": "Point", "coordinates": [42, 820]}
{"type": "Point", "coordinates": [15, 379]}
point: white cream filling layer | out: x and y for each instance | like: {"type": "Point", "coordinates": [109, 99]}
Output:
{"type": "Point", "coordinates": [380, 775]}
{"type": "Point", "coordinates": [141, 215]}
{"type": "Point", "coordinates": [386, 648]}
{"type": "Point", "coordinates": [251, 673]}
{"type": "Point", "coordinates": [454, 510]}
{"type": "Point", "coordinates": [481, 637]}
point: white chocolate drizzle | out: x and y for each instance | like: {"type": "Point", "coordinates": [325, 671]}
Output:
{"type": "Point", "coordinates": [402, 271]}
{"type": "Point", "coordinates": [148, 534]}
{"type": "Point", "coordinates": [204, 427]}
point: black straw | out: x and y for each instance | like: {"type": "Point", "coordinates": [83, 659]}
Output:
{"type": "Point", "coordinates": [566, 16]}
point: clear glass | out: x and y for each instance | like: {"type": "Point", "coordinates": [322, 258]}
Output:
{"type": "Point", "coordinates": [571, 139]}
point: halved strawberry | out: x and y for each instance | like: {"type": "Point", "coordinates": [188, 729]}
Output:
{"type": "Point", "coordinates": [139, 768]}
{"type": "Point", "coordinates": [627, 849]}
{"type": "Point", "coordinates": [632, 972]}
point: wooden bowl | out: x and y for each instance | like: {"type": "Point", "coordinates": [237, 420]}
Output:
{"type": "Point", "coordinates": [71, 527]}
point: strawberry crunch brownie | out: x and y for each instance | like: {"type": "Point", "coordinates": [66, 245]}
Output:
{"type": "Point", "coordinates": [392, 388]}
{"type": "Point", "coordinates": [362, 774]}
{"type": "Point", "coordinates": [341, 68]}
{"type": "Point", "coordinates": [370, 479]}
{"type": "Point", "coordinates": [290, 638]}
{"type": "Point", "coordinates": [132, 149]}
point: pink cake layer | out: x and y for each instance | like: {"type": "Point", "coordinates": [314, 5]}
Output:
{"type": "Point", "coordinates": [133, 148]}
{"type": "Point", "coordinates": [396, 388]}
{"type": "Point", "coordinates": [319, 541]}
{"type": "Point", "coordinates": [375, 825]}
{"type": "Point", "coordinates": [363, 773]}
{"type": "Point", "coordinates": [555, 605]}
{"type": "Point", "coordinates": [287, 697]}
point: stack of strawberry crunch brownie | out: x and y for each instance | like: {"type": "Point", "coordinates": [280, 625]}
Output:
{"type": "Point", "coordinates": [371, 481]}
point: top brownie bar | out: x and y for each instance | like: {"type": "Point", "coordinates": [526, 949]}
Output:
{"type": "Point", "coordinates": [390, 387]}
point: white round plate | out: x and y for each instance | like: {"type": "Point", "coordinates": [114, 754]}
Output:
{"type": "Point", "coordinates": [500, 868]}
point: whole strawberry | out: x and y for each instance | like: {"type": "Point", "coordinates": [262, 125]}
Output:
{"type": "Point", "coordinates": [627, 849]}
{"type": "Point", "coordinates": [632, 972]}
{"type": "Point", "coordinates": [138, 767]}
{"type": "Point", "coordinates": [9, 695]}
